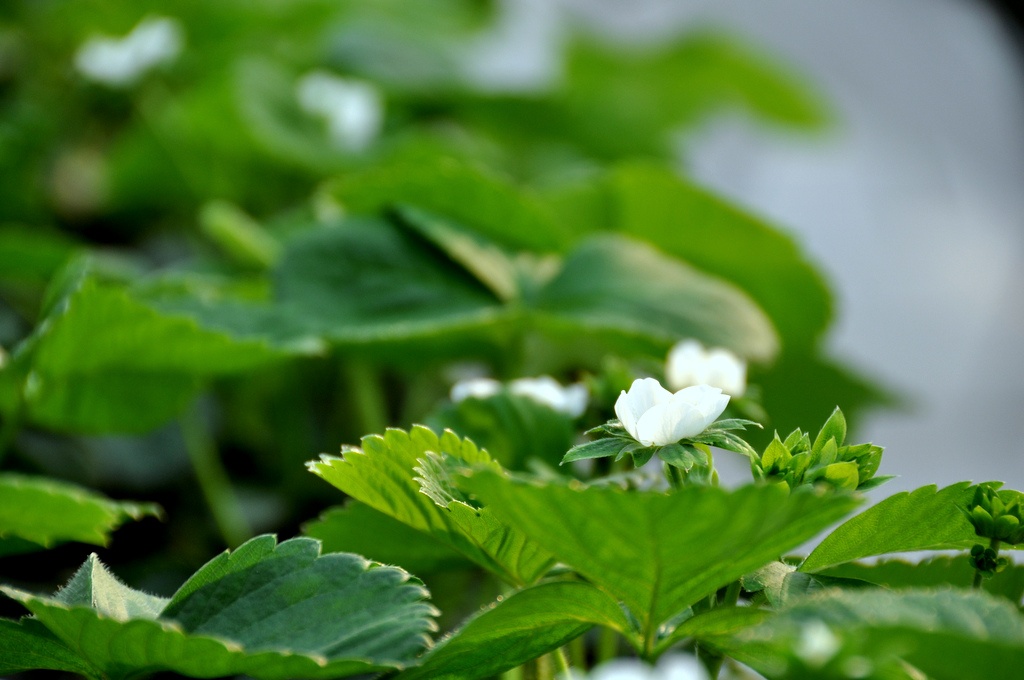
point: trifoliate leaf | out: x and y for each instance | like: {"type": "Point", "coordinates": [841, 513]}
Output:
{"type": "Point", "coordinates": [659, 553]}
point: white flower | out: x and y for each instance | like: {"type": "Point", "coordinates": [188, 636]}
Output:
{"type": "Point", "coordinates": [672, 667]}
{"type": "Point", "coordinates": [690, 364]}
{"type": "Point", "coordinates": [119, 62]}
{"type": "Point", "coordinates": [655, 417]}
{"type": "Point", "coordinates": [571, 400]}
{"type": "Point", "coordinates": [817, 643]}
{"type": "Point", "coordinates": [353, 109]}
{"type": "Point", "coordinates": [478, 388]}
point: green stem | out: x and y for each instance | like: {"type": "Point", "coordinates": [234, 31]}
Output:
{"type": "Point", "coordinates": [674, 476]}
{"type": "Point", "coordinates": [607, 645]}
{"type": "Point", "coordinates": [732, 594]}
{"type": "Point", "coordinates": [562, 663]}
{"type": "Point", "coordinates": [578, 652]}
{"type": "Point", "coordinates": [363, 385]}
{"type": "Point", "coordinates": [213, 480]}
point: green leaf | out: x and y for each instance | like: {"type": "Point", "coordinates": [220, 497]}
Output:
{"type": "Point", "coordinates": [27, 645]}
{"type": "Point", "coordinates": [782, 584]}
{"type": "Point", "coordinates": [625, 295]}
{"type": "Point", "coordinates": [513, 428]}
{"type": "Point", "coordinates": [358, 528]}
{"type": "Point", "coordinates": [384, 475]}
{"type": "Point", "coordinates": [519, 628]}
{"type": "Point", "coordinates": [467, 195]}
{"type": "Point", "coordinates": [365, 282]}
{"type": "Point", "coordinates": [654, 203]}
{"type": "Point", "coordinates": [925, 519]}
{"type": "Point", "coordinates": [834, 428]}
{"type": "Point", "coordinates": [955, 571]}
{"type": "Point", "coordinates": [46, 512]}
{"type": "Point", "coordinates": [477, 254]}
{"type": "Point", "coordinates": [602, 448]}
{"type": "Point", "coordinates": [104, 361]}
{"type": "Point", "coordinates": [946, 633]}
{"type": "Point", "coordinates": [267, 610]}
{"type": "Point", "coordinates": [31, 256]}
{"type": "Point", "coordinates": [710, 626]}
{"type": "Point", "coordinates": [659, 553]}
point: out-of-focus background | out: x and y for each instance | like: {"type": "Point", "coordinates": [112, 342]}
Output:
{"type": "Point", "coordinates": [220, 194]}
{"type": "Point", "coordinates": [913, 202]}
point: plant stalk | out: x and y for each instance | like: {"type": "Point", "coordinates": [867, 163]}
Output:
{"type": "Point", "coordinates": [363, 385]}
{"type": "Point", "coordinates": [976, 584]}
{"type": "Point", "coordinates": [213, 480]}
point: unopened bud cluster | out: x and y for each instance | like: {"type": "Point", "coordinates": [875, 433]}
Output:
{"type": "Point", "coordinates": [997, 515]}
{"type": "Point", "coordinates": [795, 461]}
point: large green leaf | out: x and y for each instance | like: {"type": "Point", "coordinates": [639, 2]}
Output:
{"type": "Point", "coordinates": [391, 474]}
{"type": "Point", "coordinates": [518, 628]}
{"type": "Point", "coordinates": [945, 633]}
{"type": "Point", "coordinates": [659, 553]}
{"type": "Point", "coordinates": [28, 645]}
{"type": "Point", "coordinates": [358, 528]}
{"type": "Point", "coordinates": [713, 625]}
{"type": "Point", "coordinates": [955, 571]}
{"type": "Point", "coordinates": [656, 204]}
{"type": "Point", "coordinates": [44, 512]}
{"type": "Point", "coordinates": [366, 282]}
{"type": "Point", "coordinates": [105, 361]}
{"type": "Point", "coordinates": [925, 519]}
{"type": "Point", "coordinates": [267, 610]}
{"type": "Point", "coordinates": [634, 298]}
{"type": "Point", "coordinates": [467, 195]}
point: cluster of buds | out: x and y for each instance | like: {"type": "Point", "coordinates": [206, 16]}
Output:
{"type": "Point", "coordinates": [997, 515]}
{"type": "Point", "coordinates": [987, 560]}
{"type": "Point", "coordinates": [795, 461]}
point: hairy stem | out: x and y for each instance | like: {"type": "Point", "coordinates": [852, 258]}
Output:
{"type": "Point", "coordinates": [213, 480]}
{"type": "Point", "coordinates": [363, 385]}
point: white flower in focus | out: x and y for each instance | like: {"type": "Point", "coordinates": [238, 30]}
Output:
{"type": "Point", "coordinates": [655, 417]}
{"type": "Point", "coordinates": [120, 62]}
{"type": "Point", "coordinates": [570, 400]}
{"type": "Point", "coordinates": [353, 109]}
{"type": "Point", "coordinates": [478, 388]}
{"type": "Point", "coordinates": [690, 364]}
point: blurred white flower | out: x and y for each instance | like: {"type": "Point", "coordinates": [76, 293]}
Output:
{"type": "Point", "coordinates": [570, 400]}
{"type": "Point", "coordinates": [690, 364]}
{"type": "Point", "coordinates": [478, 388]}
{"type": "Point", "coordinates": [671, 667]}
{"type": "Point", "coordinates": [655, 417]}
{"type": "Point", "coordinates": [817, 644]}
{"type": "Point", "coordinates": [120, 62]}
{"type": "Point", "coordinates": [353, 109]}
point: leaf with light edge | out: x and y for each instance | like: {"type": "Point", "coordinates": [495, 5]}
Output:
{"type": "Point", "coordinates": [383, 474]}
{"type": "Point", "coordinates": [269, 610]}
{"type": "Point", "coordinates": [45, 512]}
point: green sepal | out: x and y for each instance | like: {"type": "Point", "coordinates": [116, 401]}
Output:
{"type": "Point", "coordinates": [602, 448]}
{"type": "Point", "coordinates": [834, 428]}
{"type": "Point", "coordinates": [683, 456]}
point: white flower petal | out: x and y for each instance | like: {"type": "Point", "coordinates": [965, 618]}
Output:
{"type": "Point", "coordinates": [571, 400]}
{"type": "Point", "coordinates": [684, 359]}
{"type": "Point", "coordinates": [688, 363]}
{"type": "Point", "coordinates": [478, 388]}
{"type": "Point", "coordinates": [727, 371]}
{"type": "Point", "coordinates": [353, 109]}
{"type": "Point", "coordinates": [643, 394]}
{"type": "Point", "coordinates": [119, 62]}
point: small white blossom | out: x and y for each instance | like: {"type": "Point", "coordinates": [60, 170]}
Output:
{"type": "Point", "coordinates": [120, 62]}
{"type": "Point", "coordinates": [690, 364]}
{"type": "Point", "coordinates": [353, 109]}
{"type": "Point", "coordinates": [570, 400]}
{"type": "Point", "coordinates": [817, 644]}
{"type": "Point", "coordinates": [655, 417]}
{"type": "Point", "coordinates": [672, 667]}
{"type": "Point", "coordinates": [478, 388]}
